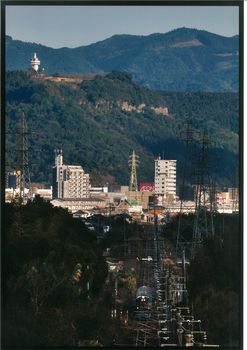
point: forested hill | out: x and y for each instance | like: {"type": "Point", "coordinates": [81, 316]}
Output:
{"type": "Point", "coordinates": [181, 60]}
{"type": "Point", "coordinates": [99, 122]}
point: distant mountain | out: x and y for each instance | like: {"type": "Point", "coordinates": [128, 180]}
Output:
{"type": "Point", "coordinates": [181, 60]}
{"type": "Point", "coordinates": [99, 122]}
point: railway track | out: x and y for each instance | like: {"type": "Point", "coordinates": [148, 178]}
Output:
{"type": "Point", "coordinates": [168, 321]}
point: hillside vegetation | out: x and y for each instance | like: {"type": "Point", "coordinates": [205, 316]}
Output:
{"type": "Point", "coordinates": [181, 60]}
{"type": "Point", "coordinates": [90, 123]}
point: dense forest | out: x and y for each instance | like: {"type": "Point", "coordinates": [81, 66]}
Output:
{"type": "Point", "coordinates": [214, 276]}
{"type": "Point", "coordinates": [44, 248]}
{"type": "Point", "coordinates": [88, 121]}
{"type": "Point", "coordinates": [215, 285]}
{"type": "Point", "coordinates": [50, 259]}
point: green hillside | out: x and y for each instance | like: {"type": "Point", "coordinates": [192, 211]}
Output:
{"type": "Point", "coordinates": [89, 121]}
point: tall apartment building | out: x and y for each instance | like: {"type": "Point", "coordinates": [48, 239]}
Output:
{"type": "Point", "coordinates": [69, 181]}
{"type": "Point", "coordinates": [165, 177]}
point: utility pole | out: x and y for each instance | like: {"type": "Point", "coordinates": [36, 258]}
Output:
{"type": "Point", "coordinates": [124, 234]}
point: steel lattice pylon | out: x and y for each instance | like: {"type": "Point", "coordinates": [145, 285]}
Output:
{"type": "Point", "coordinates": [24, 176]}
{"type": "Point", "coordinates": [205, 195]}
{"type": "Point", "coordinates": [183, 244]}
{"type": "Point", "coordinates": [133, 163]}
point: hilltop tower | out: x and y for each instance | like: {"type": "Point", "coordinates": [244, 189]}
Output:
{"type": "Point", "coordinates": [133, 163]}
{"type": "Point", "coordinates": [35, 62]}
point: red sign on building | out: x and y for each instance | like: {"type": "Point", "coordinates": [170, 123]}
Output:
{"type": "Point", "coordinates": [146, 186]}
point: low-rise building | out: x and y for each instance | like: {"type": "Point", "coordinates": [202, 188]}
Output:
{"type": "Point", "coordinates": [98, 190]}
{"type": "Point", "coordinates": [45, 193]}
{"type": "Point", "coordinates": [222, 199]}
{"type": "Point", "coordinates": [140, 198]}
{"type": "Point", "coordinates": [75, 204]}
{"type": "Point", "coordinates": [228, 200]}
{"type": "Point", "coordinates": [13, 193]}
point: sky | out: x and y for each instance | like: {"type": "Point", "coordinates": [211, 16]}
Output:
{"type": "Point", "coordinates": [72, 26]}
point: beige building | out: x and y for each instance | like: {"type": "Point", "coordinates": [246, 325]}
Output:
{"type": "Point", "coordinates": [165, 177]}
{"type": "Point", "coordinates": [69, 181]}
{"type": "Point", "coordinates": [45, 193]}
{"type": "Point", "coordinates": [137, 197]}
{"type": "Point", "coordinates": [75, 204]}
{"type": "Point", "coordinates": [141, 198]}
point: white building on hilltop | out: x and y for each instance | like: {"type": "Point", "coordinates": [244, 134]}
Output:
{"type": "Point", "coordinates": [165, 177]}
{"type": "Point", "coordinates": [69, 181]}
{"type": "Point", "coordinates": [35, 62]}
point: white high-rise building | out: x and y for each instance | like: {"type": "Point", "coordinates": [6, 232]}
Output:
{"type": "Point", "coordinates": [69, 181]}
{"type": "Point", "coordinates": [165, 177]}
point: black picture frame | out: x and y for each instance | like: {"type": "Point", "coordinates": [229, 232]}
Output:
{"type": "Point", "coordinates": [239, 4]}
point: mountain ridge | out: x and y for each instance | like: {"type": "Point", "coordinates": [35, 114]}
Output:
{"type": "Point", "coordinates": [171, 32]}
{"type": "Point", "coordinates": [160, 61]}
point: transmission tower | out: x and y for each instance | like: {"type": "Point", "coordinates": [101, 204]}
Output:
{"type": "Point", "coordinates": [184, 243]}
{"type": "Point", "coordinates": [235, 190]}
{"type": "Point", "coordinates": [133, 163]}
{"type": "Point", "coordinates": [204, 193]}
{"type": "Point", "coordinates": [24, 175]}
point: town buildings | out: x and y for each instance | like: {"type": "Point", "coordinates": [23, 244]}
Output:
{"type": "Point", "coordinates": [71, 189]}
